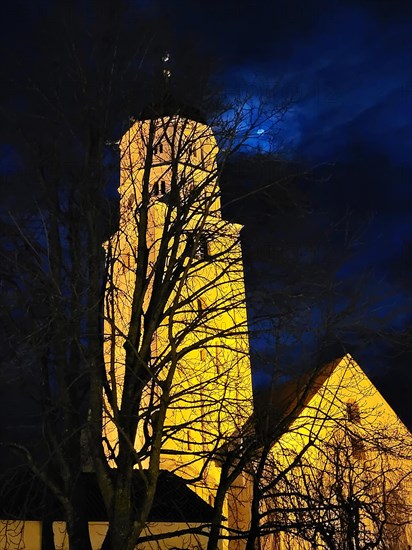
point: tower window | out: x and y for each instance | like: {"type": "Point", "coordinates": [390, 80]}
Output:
{"type": "Point", "coordinates": [130, 201]}
{"type": "Point", "coordinates": [191, 151]}
{"type": "Point", "coordinates": [358, 447]}
{"type": "Point", "coordinates": [160, 188]}
{"type": "Point", "coordinates": [158, 148]}
{"type": "Point", "coordinates": [201, 306]}
{"type": "Point", "coordinates": [353, 412]}
{"type": "Point", "coordinates": [202, 251]}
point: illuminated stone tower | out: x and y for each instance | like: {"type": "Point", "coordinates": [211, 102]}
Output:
{"type": "Point", "coordinates": [192, 340]}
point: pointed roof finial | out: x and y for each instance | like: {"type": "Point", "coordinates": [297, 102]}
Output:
{"type": "Point", "coordinates": [167, 104]}
{"type": "Point", "coordinates": [167, 73]}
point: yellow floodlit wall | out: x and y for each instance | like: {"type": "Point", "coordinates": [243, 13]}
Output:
{"type": "Point", "coordinates": [27, 536]}
{"type": "Point", "coordinates": [211, 393]}
{"type": "Point", "coordinates": [355, 445]}
{"type": "Point", "coordinates": [17, 535]}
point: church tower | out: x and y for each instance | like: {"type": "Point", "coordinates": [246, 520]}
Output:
{"type": "Point", "coordinates": [176, 343]}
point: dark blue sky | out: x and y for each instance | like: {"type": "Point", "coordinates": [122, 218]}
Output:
{"type": "Point", "coordinates": [348, 65]}
{"type": "Point", "coordinates": [351, 64]}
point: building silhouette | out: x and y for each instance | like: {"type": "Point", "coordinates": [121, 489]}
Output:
{"type": "Point", "coordinates": [180, 388]}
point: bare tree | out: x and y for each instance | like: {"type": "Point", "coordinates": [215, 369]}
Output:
{"type": "Point", "coordinates": [138, 354]}
{"type": "Point", "coordinates": [356, 501]}
{"type": "Point", "coordinates": [175, 304]}
{"type": "Point", "coordinates": [344, 466]}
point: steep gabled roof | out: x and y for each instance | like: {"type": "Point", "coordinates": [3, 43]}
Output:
{"type": "Point", "coordinates": [25, 497]}
{"type": "Point", "coordinates": [277, 407]}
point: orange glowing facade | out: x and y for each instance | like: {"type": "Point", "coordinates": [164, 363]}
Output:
{"type": "Point", "coordinates": [169, 177]}
{"type": "Point", "coordinates": [351, 488]}
{"type": "Point", "coordinates": [175, 300]}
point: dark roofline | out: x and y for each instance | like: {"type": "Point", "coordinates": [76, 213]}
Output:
{"type": "Point", "coordinates": [286, 401]}
{"type": "Point", "coordinates": [169, 106]}
{"type": "Point", "coordinates": [25, 497]}
{"type": "Point", "coordinates": [270, 420]}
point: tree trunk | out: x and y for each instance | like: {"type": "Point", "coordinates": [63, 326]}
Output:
{"type": "Point", "coordinates": [47, 536]}
{"type": "Point", "coordinates": [78, 531]}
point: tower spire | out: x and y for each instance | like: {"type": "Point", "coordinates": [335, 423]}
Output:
{"type": "Point", "coordinates": [165, 103]}
{"type": "Point", "coordinates": [167, 73]}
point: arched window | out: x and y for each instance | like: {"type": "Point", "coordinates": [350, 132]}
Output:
{"type": "Point", "coordinates": [201, 306]}
{"type": "Point", "coordinates": [130, 201]}
{"type": "Point", "coordinates": [160, 188]}
{"type": "Point", "coordinates": [202, 250]}
{"type": "Point", "coordinates": [353, 412]}
{"type": "Point", "coordinates": [158, 148]}
{"type": "Point", "coordinates": [358, 446]}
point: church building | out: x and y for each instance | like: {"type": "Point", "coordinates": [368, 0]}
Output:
{"type": "Point", "coordinates": [197, 347]}
{"type": "Point", "coordinates": [176, 338]}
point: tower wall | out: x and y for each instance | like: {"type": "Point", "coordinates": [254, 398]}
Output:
{"type": "Point", "coordinates": [169, 193]}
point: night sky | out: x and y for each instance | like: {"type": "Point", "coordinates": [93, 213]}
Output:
{"type": "Point", "coordinates": [348, 67]}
